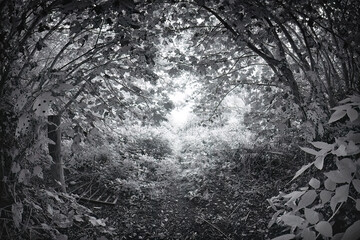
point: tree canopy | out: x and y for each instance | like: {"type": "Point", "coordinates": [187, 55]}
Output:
{"type": "Point", "coordinates": [103, 64]}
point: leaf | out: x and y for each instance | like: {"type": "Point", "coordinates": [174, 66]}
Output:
{"type": "Point", "coordinates": [45, 226]}
{"type": "Point", "coordinates": [357, 205]}
{"type": "Point", "coordinates": [352, 114]}
{"type": "Point", "coordinates": [15, 168]}
{"type": "Point", "coordinates": [336, 176]}
{"type": "Point", "coordinates": [345, 170]}
{"type": "Point", "coordinates": [284, 237]}
{"type": "Point", "coordinates": [319, 162]}
{"type": "Point", "coordinates": [21, 101]}
{"type": "Point", "coordinates": [322, 145]}
{"type": "Point", "coordinates": [352, 136]}
{"type": "Point", "coordinates": [61, 220]}
{"type": "Point", "coordinates": [301, 170]}
{"type": "Point", "coordinates": [56, 196]}
{"type": "Point", "coordinates": [346, 100]}
{"type": "Point", "coordinates": [324, 228]}
{"type": "Point", "coordinates": [355, 98]}
{"type": "Point", "coordinates": [337, 115]}
{"type": "Point", "coordinates": [97, 222]}
{"type": "Point", "coordinates": [78, 218]}
{"type": "Point", "coordinates": [341, 195]}
{"type": "Point", "coordinates": [314, 183]}
{"type": "Point", "coordinates": [270, 201]}
{"type": "Point", "coordinates": [352, 148]}
{"type": "Point", "coordinates": [95, 132]}
{"type": "Point", "coordinates": [329, 184]}
{"type": "Point", "coordinates": [293, 196]}
{"type": "Point", "coordinates": [38, 172]}
{"type": "Point", "coordinates": [309, 150]}
{"type": "Point", "coordinates": [311, 216]}
{"type": "Point", "coordinates": [274, 217]}
{"type": "Point", "coordinates": [352, 232]}
{"type": "Point", "coordinates": [356, 184]}
{"type": "Point", "coordinates": [342, 192]}
{"type": "Point", "coordinates": [75, 146]}
{"type": "Point", "coordinates": [337, 236]}
{"type": "Point", "coordinates": [341, 107]}
{"type": "Point", "coordinates": [17, 210]}
{"type": "Point", "coordinates": [42, 104]}
{"type": "Point", "coordinates": [346, 164]}
{"type": "Point", "coordinates": [304, 188]}
{"type": "Point", "coordinates": [340, 151]}
{"type": "Point", "coordinates": [292, 220]}
{"type": "Point", "coordinates": [23, 125]}
{"type": "Point", "coordinates": [37, 207]}
{"type": "Point", "coordinates": [307, 199]}
{"type": "Point", "coordinates": [308, 234]}
{"type": "Point", "coordinates": [24, 176]}
{"type": "Point", "coordinates": [325, 196]}
{"type": "Point", "coordinates": [50, 210]}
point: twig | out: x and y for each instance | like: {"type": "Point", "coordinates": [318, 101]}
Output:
{"type": "Point", "coordinates": [98, 201]}
{"type": "Point", "coordinates": [247, 216]}
{"type": "Point", "coordinates": [218, 229]}
{"type": "Point", "coordinates": [236, 208]}
{"type": "Point", "coordinates": [335, 212]}
{"type": "Point", "coordinates": [332, 216]}
{"type": "Point", "coordinates": [28, 220]}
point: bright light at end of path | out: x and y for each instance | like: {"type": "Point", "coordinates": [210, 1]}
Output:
{"type": "Point", "coordinates": [183, 107]}
{"type": "Point", "coordinates": [179, 117]}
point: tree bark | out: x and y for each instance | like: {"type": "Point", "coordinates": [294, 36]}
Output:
{"type": "Point", "coordinates": [7, 142]}
{"type": "Point", "coordinates": [54, 134]}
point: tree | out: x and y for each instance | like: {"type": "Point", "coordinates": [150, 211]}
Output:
{"type": "Point", "coordinates": [72, 61]}
{"type": "Point", "coordinates": [84, 61]}
{"type": "Point", "coordinates": [308, 59]}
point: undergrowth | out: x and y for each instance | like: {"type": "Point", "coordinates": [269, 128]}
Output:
{"type": "Point", "coordinates": [328, 206]}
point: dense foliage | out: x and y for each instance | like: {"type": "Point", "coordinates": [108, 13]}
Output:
{"type": "Point", "coordinates": [295, 64]}
{"type": "Point", "coordinates": [87, 91]}
{"type": "Point", "coordinates": [330, 206]}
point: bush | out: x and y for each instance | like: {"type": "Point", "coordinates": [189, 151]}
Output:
{"type": "Point", "coordinates": [330, 205]}
{"type": "Point", "coordinates": [155, 146]}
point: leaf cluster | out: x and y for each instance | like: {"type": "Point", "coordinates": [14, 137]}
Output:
{"type": "Point", "coordinates": [315, 209]}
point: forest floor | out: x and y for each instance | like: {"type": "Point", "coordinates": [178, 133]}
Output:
{"type": "Point", "coordinates": [217, 203]}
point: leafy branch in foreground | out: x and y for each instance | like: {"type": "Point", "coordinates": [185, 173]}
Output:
{"type": "Point", "coordinates": [313, 210]}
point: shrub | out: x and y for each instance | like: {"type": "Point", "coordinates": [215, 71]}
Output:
{"type": "Point", "coordinates": [330, 205]}
{"type": "Point", "coordinates": [155, 146]}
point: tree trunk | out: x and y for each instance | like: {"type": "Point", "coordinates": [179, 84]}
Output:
{"type": "Point", "coordinates": [7, 141]}
{"type": "Point", "coordinates": [54, 134]}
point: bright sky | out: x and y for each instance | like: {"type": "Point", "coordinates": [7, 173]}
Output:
{"type": "Point", "coordinates": [186, 85]}
{"type": "Point", "coordinates": [183, 105]}
{"type": "Point", "coordinates": [180, 115]}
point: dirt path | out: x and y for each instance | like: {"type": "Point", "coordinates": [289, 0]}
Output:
{"type": "Point", "coordinates": [216, 206]}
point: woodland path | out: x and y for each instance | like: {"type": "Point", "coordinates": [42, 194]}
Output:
{"type": "Point", "coordinates": [223, 205]}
